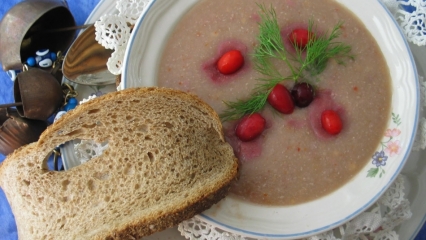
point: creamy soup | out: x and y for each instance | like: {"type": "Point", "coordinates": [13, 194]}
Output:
{"type": "Point", "coordinates": [292, 161]}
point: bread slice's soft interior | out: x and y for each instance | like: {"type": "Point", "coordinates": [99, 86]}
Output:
{"type": "Point", "coordinates": [166, 161]}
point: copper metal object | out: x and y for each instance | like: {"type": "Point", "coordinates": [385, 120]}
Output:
{"type": "Point", "coordinates": [21, 36]}
{"type": "Point", "coordinates": [16, 131]}
{"type": "Point", "coordinates": [39, 92]}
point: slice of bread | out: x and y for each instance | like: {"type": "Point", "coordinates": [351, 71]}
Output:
{"type": "Point", "coordinates": [166, 161]}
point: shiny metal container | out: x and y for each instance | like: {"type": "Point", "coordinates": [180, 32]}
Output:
{"type": "Point", "coordinates": [30, 26]}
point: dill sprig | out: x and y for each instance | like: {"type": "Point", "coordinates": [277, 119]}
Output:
{"type": "Point", "coordinates": [321, 49]}
{"type": "Point", "coordinates": [240, 108]}
{"type": "Point", "coordinates": [271, 46]}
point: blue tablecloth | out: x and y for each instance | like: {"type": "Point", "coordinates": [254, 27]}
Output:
{"type": "Point", "coordinates": [80, 10]}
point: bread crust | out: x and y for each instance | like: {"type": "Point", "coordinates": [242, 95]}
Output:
{"type": "Point", "coordinates": [26, 180]}
{"type": "Point", "coordinates": [141, 229]}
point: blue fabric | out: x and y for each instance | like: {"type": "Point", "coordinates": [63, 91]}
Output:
{"type": "Point", "coordinates": [422, 234]}
{"type": "Point", "coordinates": [80, 10]}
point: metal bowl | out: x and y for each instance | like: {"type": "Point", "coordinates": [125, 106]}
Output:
{"type": "Point", "coordinates": [28, 26]}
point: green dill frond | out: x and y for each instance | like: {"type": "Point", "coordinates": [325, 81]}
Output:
{"type": "Point", "coordinates": [322, 49]}
{"type": "Point", "coordinates": [302, 67]}
{"type": "Point", "coordinates": [265, 67]}
{"type": "Point", "coordinates": [269, 36]}
{"type": "Point", "coordinates": [238, 109]}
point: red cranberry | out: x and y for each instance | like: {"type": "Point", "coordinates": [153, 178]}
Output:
{"type": "Point", "coordinates": [331, 122]}
{"type": "Point", "coordinates": [230, 62]}
{"type": "Point", "coordinates": [280, 98]}
{"type": "Point", "coordinates": [300, 37]}
{"type": "Point", "coordinates": [250, 127]}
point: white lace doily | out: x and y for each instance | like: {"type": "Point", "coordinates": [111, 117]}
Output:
{"type": "Point", "coordinates": [378, 222]}
{"type": "Point", "coordinates": [411, 17]}
{"type": "Point", "coordinates": [113, 30]}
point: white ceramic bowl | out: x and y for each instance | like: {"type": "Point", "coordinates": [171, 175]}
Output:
{"type": "Point", "coordinates": [140, 69]}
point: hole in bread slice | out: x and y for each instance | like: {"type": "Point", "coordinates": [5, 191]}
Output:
{"type": "Point", "coordinates": [88, 149]}
{"type": "Point", "coordinates": [79, 151]}
{"type": "Point", "coordinates": [74, 153]}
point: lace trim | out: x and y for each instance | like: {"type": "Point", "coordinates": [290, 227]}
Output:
{"type": "Point", "coordinates": [88, 149]}
{"type": "Point", "coordinates": [376, 223]}
{"type": "Point", "coordinates": [411, 19]}
{"type": "Point", "coordinates": [113, 30]}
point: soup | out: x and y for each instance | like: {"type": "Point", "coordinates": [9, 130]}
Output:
{"type": "Point", "coordinates": [292, 161]}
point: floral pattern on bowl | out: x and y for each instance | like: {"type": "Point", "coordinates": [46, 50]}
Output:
{"type": "Point", "coordinates": [389, 147]}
